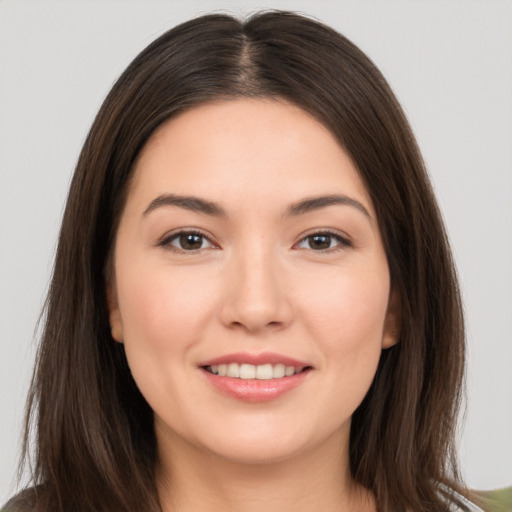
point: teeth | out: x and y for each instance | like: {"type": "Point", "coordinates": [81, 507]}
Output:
{"type": "Point", "coordinates": [279, 370]}
{"type": "Point", "coordinates": [249, 371]}
{"type": "Point", "coordinates": [233, 370]}
{"type": "Point", "coordinates": [264, 372]}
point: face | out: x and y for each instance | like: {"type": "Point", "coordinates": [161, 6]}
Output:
{"type": "Point", "coordinates": [251, 287]}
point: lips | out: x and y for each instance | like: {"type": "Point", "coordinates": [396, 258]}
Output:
{"type": "Point", "coordinates": [255, 359]}
{"type": "Point", "coordinates": [255, 377]}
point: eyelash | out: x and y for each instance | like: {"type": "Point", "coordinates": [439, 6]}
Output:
{"type": "Point", "coordinates": [342, 242]}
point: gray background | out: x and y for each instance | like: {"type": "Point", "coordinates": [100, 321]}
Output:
{"type": "Point", "coordinates": [450, 64]}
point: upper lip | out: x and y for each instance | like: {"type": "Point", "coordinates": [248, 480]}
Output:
{"type": "Point", "coordinates": [255, 359]}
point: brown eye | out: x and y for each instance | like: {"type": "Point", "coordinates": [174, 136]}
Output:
{"type": "Point", "coordinates": [190, 242]}
{"type": "Point", "coordinates": [319, 242]}
{"type": "Point", "coordinates": [187, 242]}
{"type": "Point", "coordinates": [323, 242]}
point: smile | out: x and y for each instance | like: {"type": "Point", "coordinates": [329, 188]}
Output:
{"type": "Point", "coordinates": [249, 371]}
{"type": "Point", "coordinates": [255, 377]}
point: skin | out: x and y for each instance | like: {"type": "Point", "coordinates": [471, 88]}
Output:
{"type": "Point", "coordinates": [256, 284]}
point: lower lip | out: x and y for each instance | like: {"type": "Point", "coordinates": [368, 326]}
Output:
{"type": "Point", "coordinates": [255, 390]}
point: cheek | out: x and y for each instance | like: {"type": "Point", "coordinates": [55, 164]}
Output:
{"type": "Point", "coordinates": [163, 311]}
{"type": "Point", "coordinates": [355, 301]}
{"type": "Point", "coordinates": [347, 316]}
{"type": "Point", "coordinates": [164, 314]}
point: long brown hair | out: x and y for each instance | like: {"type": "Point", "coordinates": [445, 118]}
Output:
{"type": "Point", "coordinates": [95, 447]}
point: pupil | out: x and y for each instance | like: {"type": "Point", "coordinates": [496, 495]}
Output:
{"type": "Point", "coordinates": [320, 241]}
{"type": "Point", "coordinates": [191, 241]}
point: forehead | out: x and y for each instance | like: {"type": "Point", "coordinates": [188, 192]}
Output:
{"type": "Point", "coordinates": [258, 149]}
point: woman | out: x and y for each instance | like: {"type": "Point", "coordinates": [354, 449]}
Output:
{"type": "Point", "coordinates": [254, 302]}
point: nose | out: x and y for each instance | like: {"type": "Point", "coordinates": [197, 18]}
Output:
{"type": "Point", "coordinates": [256, 299]}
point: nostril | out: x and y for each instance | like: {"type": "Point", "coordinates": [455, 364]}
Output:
{"type": "Point", "coordinates": [256, 326]}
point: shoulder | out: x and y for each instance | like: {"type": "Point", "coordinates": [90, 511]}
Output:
{"type": "Point", "coordinates": [22, 502]}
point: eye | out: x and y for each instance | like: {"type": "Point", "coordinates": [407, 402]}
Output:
{"type": "Point", "coordinates": [323, 241]}
{"type": "Point", "coordinates": [187, 241]}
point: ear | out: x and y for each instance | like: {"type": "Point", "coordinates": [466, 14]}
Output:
{"type": "Point", "coordinates": [392, 322]}
{"type": "Point", "coordinates": [114, 314]}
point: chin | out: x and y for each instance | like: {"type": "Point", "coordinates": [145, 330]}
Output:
{"type": "Point", "coordinates": [259, 453]}
{"type": "Point", "coordinates": [271, 444]}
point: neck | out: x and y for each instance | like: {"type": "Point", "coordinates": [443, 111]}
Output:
{"type": "Point", "coordinates": [189, 479]}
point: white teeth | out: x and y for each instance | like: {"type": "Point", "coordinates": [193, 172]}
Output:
{"type": "Point", "coordinates": [249, 371]}
{"type": "Point", "coordinates": [264, 372]}
{"type": "Point", "coordinates": [279, 371]}
{"type": "Point", "coordinates": [233, 370]}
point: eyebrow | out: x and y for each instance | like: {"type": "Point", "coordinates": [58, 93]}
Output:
{"type": "Point", "coordinates": [191, 203]}
{"type": "Point", "coordinates": [198, 205]}
{"type": "Point", "coordinates": [315, 203]}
